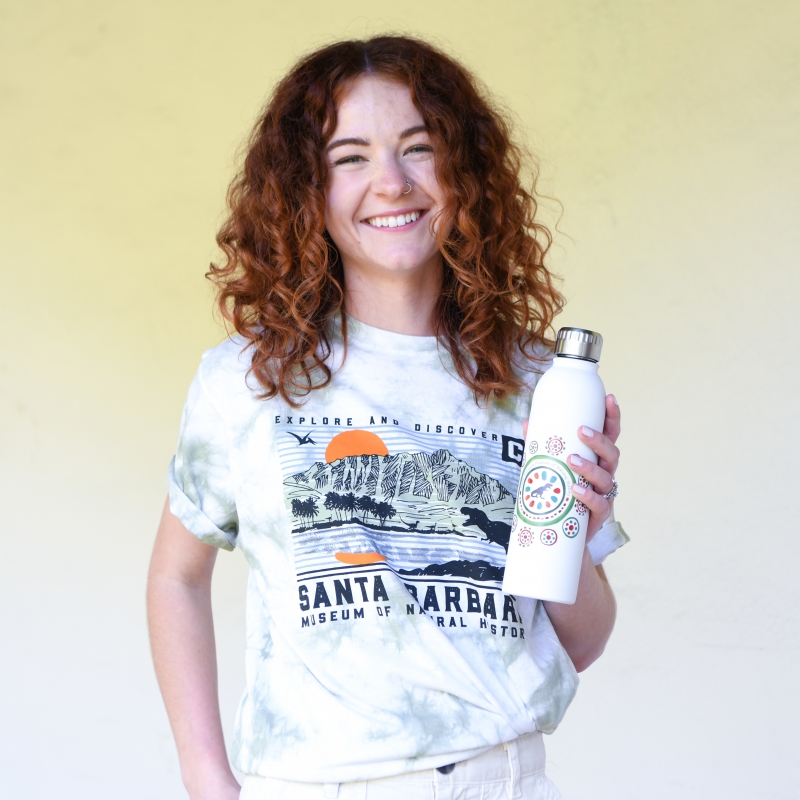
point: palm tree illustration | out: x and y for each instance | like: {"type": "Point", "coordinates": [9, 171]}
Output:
{"type": "Point", "coordinates": [366, 504]}
{"type": "Point", "coordinates": [349, 504]}
{"type": "Point", "coordinates": [333, 502]}
{"type": "Point", "coordinates": [384, 511]}
{"type": "Point", "coordinates": [305, 509]}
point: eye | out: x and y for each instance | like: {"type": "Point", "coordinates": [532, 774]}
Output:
{"type": "Point", "coordinates": [348, 160]}
{"type": "Point", "coordinates": [419, 148]}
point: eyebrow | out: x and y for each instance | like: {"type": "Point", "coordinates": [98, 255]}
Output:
{"type": "Point", "coordinates": [365, 143]}
{"type": "Point", "coordinates": [341, 142]}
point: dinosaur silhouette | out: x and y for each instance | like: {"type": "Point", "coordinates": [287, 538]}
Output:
{"type": "Point", "coordinates": [304, 440]}
{"type": "Point", "coordinates": [497, 532]}
{"type": "Point", "coordinates": [540, 491]}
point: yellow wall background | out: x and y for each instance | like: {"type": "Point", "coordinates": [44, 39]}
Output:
{"type": "Point", "coordinates": [670, 133]}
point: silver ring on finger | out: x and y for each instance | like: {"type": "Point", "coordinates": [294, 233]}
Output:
{"type": "Point", "coordinates": [614, 490]}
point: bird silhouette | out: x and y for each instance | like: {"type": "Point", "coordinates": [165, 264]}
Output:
{"type": "Point", "coordinates": [302, 440]}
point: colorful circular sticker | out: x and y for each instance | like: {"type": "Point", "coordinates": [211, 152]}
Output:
{"type": "Point", "coordinates": [571, 527]}
{"type": "Point", "coordinates": [545, 494]}
{"type": "Point", "coordinates": [525, 537]}
{"type": "Point", "coordinates": [554, 445]}
{"type": "Point", "coordinates": [533, 448]}
{"type": "Point", "coordinates": [513, 524]}
{"type": "Point", "coordinates": [548, 536]}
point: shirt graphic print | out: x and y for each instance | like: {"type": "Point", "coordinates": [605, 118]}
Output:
{"type": "Point", "coordinates": [387, 499]}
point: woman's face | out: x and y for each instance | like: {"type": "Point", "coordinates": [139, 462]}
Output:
{"type": "Point", "coordinates": [379, 226]}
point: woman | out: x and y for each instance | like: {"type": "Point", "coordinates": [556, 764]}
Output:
{"type": "Point", "coordinates": [356, 439]}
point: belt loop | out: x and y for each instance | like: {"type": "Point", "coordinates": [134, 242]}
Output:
{"type": "Point", "coordinates": [442, 788]}
{"type": "Point", "coordinates": [330, 791]}
{"type": "Point", "coordinates": [514, 787]}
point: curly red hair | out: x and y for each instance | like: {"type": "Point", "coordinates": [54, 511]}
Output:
{"type": "Point", "coordinates": [282, 281]}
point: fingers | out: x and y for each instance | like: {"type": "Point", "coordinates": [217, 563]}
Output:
{"type": "Point", "coordinates": [599, 477]}
{"type": "Point", "coordinates": [613, 418]}
{"type": "Point", "coordinates": [599, 507]}
{"type": "Point", "coordinates": [607, 451]}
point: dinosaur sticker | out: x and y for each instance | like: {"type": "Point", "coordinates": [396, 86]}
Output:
{"type": "Point", "coordinates": [546, 493]}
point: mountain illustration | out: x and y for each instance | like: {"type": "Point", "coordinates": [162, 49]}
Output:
{"type": "Point", "coordinates": [425, 492]}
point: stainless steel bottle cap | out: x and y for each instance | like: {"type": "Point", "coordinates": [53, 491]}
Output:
{"type": "Point", "coordinates": [579, 343]}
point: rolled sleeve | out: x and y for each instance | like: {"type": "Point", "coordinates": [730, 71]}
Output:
{"type": "Point", "coordinates": [607, 540]}
{"type": "Point", "coordinates": [200, 484]}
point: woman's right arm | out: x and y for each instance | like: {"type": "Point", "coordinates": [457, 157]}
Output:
{"type": "Point", "coordinates": [184, 655]}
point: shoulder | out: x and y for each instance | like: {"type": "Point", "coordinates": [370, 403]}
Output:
{"type": "Point", "coordinates": [223, 369]}
{"type": "Point", "coordinates": [231, 354]}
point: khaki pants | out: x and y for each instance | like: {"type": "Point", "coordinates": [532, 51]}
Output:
{"type": "Point", "coordinates": [511, 771]}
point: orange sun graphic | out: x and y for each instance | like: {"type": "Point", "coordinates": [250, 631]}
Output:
{"type": "Point", "coordinates": [359, 558]}
{"type": "Point", "coordinates": [355, 443]}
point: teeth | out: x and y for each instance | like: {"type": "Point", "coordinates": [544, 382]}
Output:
{"type": "Point", "coordinates": [394, 222]}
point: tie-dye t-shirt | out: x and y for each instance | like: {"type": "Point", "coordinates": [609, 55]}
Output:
{"type": "Point", "coordinates": [375, 520]}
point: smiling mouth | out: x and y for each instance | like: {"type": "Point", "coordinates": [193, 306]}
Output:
{"type": "Point", "coordinates": [397, 221]}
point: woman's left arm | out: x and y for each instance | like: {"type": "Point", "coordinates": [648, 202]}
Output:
{"type": "Point", "coordinates": [585, 627]}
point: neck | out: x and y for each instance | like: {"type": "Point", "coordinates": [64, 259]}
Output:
{"type": "Point", "coordinates": [398, 303]}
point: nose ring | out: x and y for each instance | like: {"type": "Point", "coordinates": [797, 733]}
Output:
{"type": "Point", "coordinates": [408, 183]}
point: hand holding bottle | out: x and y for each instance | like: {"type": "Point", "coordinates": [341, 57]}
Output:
{"type": "Point", "coordinates": [600, 475]}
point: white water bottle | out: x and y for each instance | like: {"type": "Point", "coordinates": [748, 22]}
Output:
{"type": "Point", "coordinates": [548, 532]}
